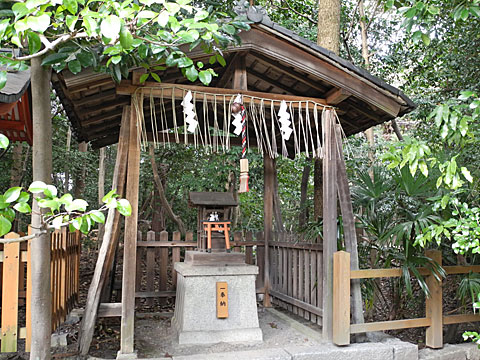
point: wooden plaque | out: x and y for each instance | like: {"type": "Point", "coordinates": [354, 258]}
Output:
{"type": "Point", "coordinates": [222, 300]}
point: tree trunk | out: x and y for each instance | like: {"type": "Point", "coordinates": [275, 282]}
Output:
{"type": "Point", "coordinates": [161, 192]}
{"type": "Point", "coordinates": [328, 36]}
{"type": "Point", "coordinates": [302, 216]}
{"type": "Point", "coordinates": [40, 246]}
{"type": "Point", "coordinates": [101, 189]}
{"type": "Point", "coordinates": [80, 178]}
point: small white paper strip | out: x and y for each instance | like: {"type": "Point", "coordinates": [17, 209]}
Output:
{"type": "Point", "coordinates": [237, 118]}
{"type": "Point", "coordinates": [189, 112]}
{"type": "Point", "coordinates": [284, 119]}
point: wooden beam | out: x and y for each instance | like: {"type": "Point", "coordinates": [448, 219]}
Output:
{"type": "Point", "coordinates": [460, 318]}
{"type": "Point", "coordinates": [130, 239]}
{"type": "Point", "coordinates": [108, 247]}
{"type": "Point", "coordinates": [167, 243]}
{"type": "Point", "coordinates": [102, 117]}
{"type": "Point", "coordinates": [165, 90]}
{"type": "Point", "coordinates": [240, 74]}
{"type": "Point", "coordinates": [98, 97]}
{"type": "Point", "coordinates": [137, 74]}
{"type": "Point", "coordinates": [329, 220]}
{"type": "Point", "coordinates": [389, 325]}
{"type": "Point", "coordinates": [303, 305]}
{"type": "Point", "coordinates": [336, 96]}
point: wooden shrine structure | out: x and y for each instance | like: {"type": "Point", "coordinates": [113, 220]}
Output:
{"type": "Point", "coordinates": [15, 108]}
{"type": "Point", "coordinates": [327, 96]}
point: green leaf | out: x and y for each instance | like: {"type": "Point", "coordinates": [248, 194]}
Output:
{"type": "Point", "coordinates": [12, 194]}
{"type": "Point", "coordinates": [85, 227]}
{"type": "Point", "coordinates": [205, 77]}
{"type": "Point", "coordinates": [184, 62]}
{"type": "Point", "coordinates": [108, 196]}
{"type": "Point", "coordinates": [22, 207]}
{"type": "Point", "coordinates": [38, 23]}
{"type": "Point", "coordinates": [71, 5]}
{"type": "Point", "coordinates": [20, 10]}
{"type": "Point", "coordinates": [124, 207]}
{"type": "Point", "coordinates": [229, 29]}
{"type": "Point", "coordinates": [220, 59]}
{"type": "Point", "coordinates": [77, 223]}
{"type": "Point", "coordinates": [201, 15]}
{"type": "Point", "coordinates": [85, 58]}
{"type": "Point", "coordinates": [77, 204]}
{"type": "Point", "coordinates": [466, 174]}
{"type": "Point", "coordinates": [66, 199]}
{"type": "Point", "coordinates": [163, 18]}
{"type": "Point", "coordinates": [50, 191]}
{"type": "Point", "coordinates": [172, 8]}
{"type": "Point", "coordinates": [126, 38]}
{"type": "Point", "coordinates": [475, 11]}
{"type": "Point", "coordinates": [98, 216]}
{"type": "Point", "coordinates": [53, 204]}
{"type": "Point", "coordinates": [155, 77]}
{"type": "Point", "coordinates": [5, 225]}
{"type": "Point", "coordinates": [426, 39]}
{"type": "Point", "coordinates": [110, 26]}
{"type": "Point", "coordinates": [191, 73]}
{"type": "Point", "coordinates": [24, 197]}
{"type": "Point", "coordinates": [411, 13]}
{"type": "Point", "coordinates": [71, 22]}
{"type": "Point", "coordinates": [433, 10]}
{"type": "Point", "coordinates": [37, 187]}
{"type": "Point", "coordinates": [464, 95]}
{"type": "Point", "coordinates": [142, 79]}
{"type": "Point", "coordinates": [74, 66]}
{"type": "Point", "coordinates": [3, 139]}
{"type": "Point", "coordinates": [54, 59]}
{"type": "Point", "coordinates": [34, 43]}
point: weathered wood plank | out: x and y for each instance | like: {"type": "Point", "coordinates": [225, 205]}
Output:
{"type": "Point", "coordinates": [109, 242]}
{"type": "Point", "coordinates": [389, 325]}
{"type": "Point", "coordinates": [159, 294]}
{"type": "Point", "coordinates": [341, 298]}
{"type": "Point", "coordinates": [151, 265]}
{"type": "Point", "coordinates": [10, 295]}
{"type": "Point", "coordinates": [130, 243]}
{"type": "Point", "coordinates": [329, 218]}
{"type": "Point", "coordinates": [175, 258]}
{"type": "Point", "coordinates": [249, 249]}
{"type": "Point", "coordinates": [314, 282]}
{"type": "Point", "coordinates": [295, 278]}
{"type": "Point", "coordinates": [433, 305]}
{"type": "Point", "coordinates": [163, 263]}
{"type": "Point", "coordinates": [460, 318]}
{"type": "Point", "coordinates": [301, 284]}
{"type": "Point", "coordinates": [306, 269]}
{"type": "Point", "coordinates": [166, 244]}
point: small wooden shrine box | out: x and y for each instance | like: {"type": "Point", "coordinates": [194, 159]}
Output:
{"type": "Point", "coordinates": [208, 203]}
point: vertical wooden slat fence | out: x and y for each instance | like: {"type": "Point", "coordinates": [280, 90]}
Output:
{"type": "Point", "coordinates": [15, 284]}
{"type": "Point", "coordinates": [296, 275]}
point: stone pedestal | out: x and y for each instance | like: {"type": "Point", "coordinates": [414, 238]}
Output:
{"type": "Point", "coordinates": [195, 318]}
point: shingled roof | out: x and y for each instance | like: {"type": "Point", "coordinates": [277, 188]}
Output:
{"type": "Point", "coordinates": [277, 61]}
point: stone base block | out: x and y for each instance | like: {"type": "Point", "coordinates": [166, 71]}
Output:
{"type": "Point", "coordinates": [195, 319]}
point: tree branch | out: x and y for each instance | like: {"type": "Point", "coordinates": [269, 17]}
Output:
{"type": "Point", "coordinates": [289, 7]}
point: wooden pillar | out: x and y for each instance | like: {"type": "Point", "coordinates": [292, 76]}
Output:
{"type": "Point", "coordinates": [329, 219]}
{"type": "Point", "coordinates": [268, 177]}
{"type": "Point", "coordinates": [130, 239]}
{"type": "Point", "coordinates": [433, 310]}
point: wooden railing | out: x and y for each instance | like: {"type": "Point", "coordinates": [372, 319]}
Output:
{"type": "Point", "coordinates": [295, 268]}
{"type": "Point", "coordinates": [15, 284]}
{"type": "Point", "coordinates": [296, 275]}
{"type": "Point", "coordinates": [433, 320]}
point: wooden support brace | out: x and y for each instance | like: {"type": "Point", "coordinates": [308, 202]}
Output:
{"type": "Point", "coordinates": [433, 310]}
{"type": "Point", "coordinates": [341, 298]}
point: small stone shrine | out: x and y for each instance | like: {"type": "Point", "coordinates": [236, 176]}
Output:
{"type": "Point", "coordinates": [216, 300]}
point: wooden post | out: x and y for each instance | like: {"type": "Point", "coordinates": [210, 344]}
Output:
{"type": "Point", "coordinates": [11, 265]}
{"type": "Point", "coordinates": [175, 257]}
{"type": "Point", "coordinates": [434, 335]}
{"type": "Point", "coordinates": [341, 298]}
{"type": "Point", "coordinates": [349, 231]}
{"type": "Point", "coordinates": [268, 176]}
{"type": "Point", "coordinates": [42, 171]}
{"type": "Point", "coordinates": [130, 243]}
{"type": "Point", "coordinates": [109, 244]}
{"type": "Point", "coordinates": [151, 265]}
{"type": "Point", "coordinates": [329, 219]}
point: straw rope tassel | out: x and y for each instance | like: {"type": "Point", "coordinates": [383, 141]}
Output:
{"type": "Point", "coordinates": [243, 161]}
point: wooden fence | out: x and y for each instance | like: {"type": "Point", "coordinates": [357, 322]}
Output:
{"type": "Point", "coordinates": [433, 320]}
{"type": "Point", "coordinates": [295, 268]}
{"type": "Point", "coordinates": [15, 284]}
